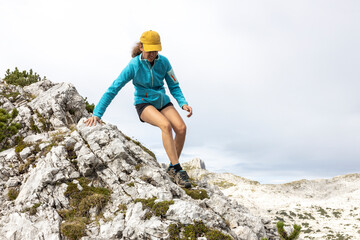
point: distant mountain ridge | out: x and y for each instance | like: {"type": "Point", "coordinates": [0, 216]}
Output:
{"type": "Point", "coordinates": [325, 208]}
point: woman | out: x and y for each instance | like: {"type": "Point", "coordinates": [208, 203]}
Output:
{"type": "Point", "coordinates": [148, 70]}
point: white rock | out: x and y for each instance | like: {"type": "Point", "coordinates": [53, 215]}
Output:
{"type": "Point", "coordinates": [19, 226]}
{"type": "Point", "coordinates": [25, 153]}
{"type": "Point", "coordinates": [13, 182]}
{"type": "Point", "coordinates": [75, 175]}
{"type": "Point", "coordinates": [39, 87]}
{"type": "Point", "coordinates": [37, 138]}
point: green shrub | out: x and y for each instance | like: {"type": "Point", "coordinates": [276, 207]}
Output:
{"type": "Point", "coordinates": [7, 127]}
{"type": "Point", "coordinates": [23, 78]}
{"type": "Point", "coordinates": [284, 235]}
{"type": "Point", "coordinates": [89, 107]}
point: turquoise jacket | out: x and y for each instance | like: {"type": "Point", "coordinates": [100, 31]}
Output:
{"type": "Point", "coordinates": [149, 84]}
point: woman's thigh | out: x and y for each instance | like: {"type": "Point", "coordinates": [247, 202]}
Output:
{"type": "Point", "coordinates": [175, 119]}
{"type": "Point", "coordinates": [152, 116]}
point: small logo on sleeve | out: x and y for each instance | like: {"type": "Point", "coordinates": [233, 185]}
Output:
{"type": "Point", "coordinates": [172, 75]}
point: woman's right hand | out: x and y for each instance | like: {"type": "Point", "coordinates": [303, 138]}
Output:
{"type": "Point", "coordinates": [92, 121]}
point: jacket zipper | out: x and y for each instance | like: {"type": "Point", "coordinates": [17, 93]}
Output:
{"type": "Point", "coordinates": [152, 77]}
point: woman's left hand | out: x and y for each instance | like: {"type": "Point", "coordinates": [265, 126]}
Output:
{"type": "Point", "coordinates": [187, 108]}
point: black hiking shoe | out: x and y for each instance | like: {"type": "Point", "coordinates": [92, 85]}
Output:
{"type": "Point", "coordinates": [182, 179]}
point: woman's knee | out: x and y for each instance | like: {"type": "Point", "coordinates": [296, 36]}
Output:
{"type": "Point", "coordinates": [181, 130]}
{"type": "Point", "coordinates": [166, 127]}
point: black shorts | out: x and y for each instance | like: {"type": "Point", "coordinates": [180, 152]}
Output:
{"type": "Point", "coordinates": [141, 106]}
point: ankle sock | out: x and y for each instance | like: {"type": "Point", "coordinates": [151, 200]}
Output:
{"type": "Point", "coordinates": [177, 167]}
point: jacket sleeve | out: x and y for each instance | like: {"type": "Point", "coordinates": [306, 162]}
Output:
{"type": "Point", "coordinates": [125, 76]}
{"type": "Point", "coordinates": [174, 87]}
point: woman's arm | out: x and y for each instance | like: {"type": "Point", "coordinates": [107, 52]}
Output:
{"type": "Point", "coordinates": [125, 76]}
{"type": "Point", "coordinates": [174, 87]}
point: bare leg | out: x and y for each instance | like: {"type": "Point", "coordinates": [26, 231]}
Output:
{"type": "Point", "coordinates": [178, 125]}
{"type": "Point", "coordinates": [152, 116]}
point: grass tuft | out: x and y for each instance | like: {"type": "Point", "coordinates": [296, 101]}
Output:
{"type": "Point", "coordinates": [12, 194]}
{"type": "Point", "coordinates": [196, 193]}
{"type": "Point", "coordinates": [82, 199]}
{"type": "Point", "coordinates": [158, 209]}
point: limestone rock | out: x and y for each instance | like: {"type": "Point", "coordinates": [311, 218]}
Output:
{"type": "Point", "coordinates": [62, 158]}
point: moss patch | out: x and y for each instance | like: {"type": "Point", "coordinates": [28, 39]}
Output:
{"type": "Point", "coordinates": [138, 166]}
{"type": "Point", "coordinates": [196, 193]}
{"type": "Point", "coordinates": [12, 194]}
{"type": "Point", "coordinates": [224, 184]}
{"type": "Point", "coordinates": [193, 231]}
{"type": "Point", "coordinates": [122, 208]}
{"type": "Point", "coordinates": [73, 229]}
{"type": "Point", "coordinates": [158, 209]}
{"type": "Point", "coordinates": [81, 201]}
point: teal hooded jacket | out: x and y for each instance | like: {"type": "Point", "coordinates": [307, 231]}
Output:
{"type": "Point", "coordinates": [149, 84]}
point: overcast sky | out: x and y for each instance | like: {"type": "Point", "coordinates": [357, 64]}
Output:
{"type": "Point", "coordinates": [274, 84]}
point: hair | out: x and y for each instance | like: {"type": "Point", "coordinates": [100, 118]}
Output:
{"type": "Point", "coordinates": [136, 50]}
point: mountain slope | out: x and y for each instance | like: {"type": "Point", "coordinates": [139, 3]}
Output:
{"type": "Point", "coordinates": [325, 208]}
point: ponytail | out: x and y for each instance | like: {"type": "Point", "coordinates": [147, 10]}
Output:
{"type": "Point", "coordinates": [136, 50]}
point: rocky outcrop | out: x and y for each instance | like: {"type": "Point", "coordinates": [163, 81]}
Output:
{"type": "Point", "coordinates": [64, 180]}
